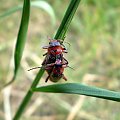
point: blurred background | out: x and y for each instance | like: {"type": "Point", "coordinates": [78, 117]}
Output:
{"type": "Point", "coordinates": [94, 53]}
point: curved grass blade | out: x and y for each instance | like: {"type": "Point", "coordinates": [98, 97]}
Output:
{"type": "Point", "coordinates": [45, 6]}
{"type": "Point", "coordinates": [10, 11]}
{"type": "Point", "coordinates": [38, 4]}
{"type": "Point", "coordinates": [76, 88]}
{"type": "Point", "coordinates": [21, 38]}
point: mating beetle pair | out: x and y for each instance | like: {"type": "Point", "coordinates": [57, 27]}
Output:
{"type": "Point", "coordinates": [54, 62]}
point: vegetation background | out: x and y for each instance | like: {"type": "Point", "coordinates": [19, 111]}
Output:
{"type": "Point", "coordinates": [94, 53]}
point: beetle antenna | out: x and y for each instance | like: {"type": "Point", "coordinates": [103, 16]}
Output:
{"type": "Point", "coordinates": [67, 43]}
{"type": "Point", "coordinates": [34, 68]}
{"type": "Point", "coordinates": [71, 68]}
{"type": "Point", "coordinates": [61, 41]}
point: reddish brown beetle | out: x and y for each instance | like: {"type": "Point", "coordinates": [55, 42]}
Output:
{"type": "Point", "coordinates": [55, 70]}
{"type": "Point", "coordinates": [54, 62]}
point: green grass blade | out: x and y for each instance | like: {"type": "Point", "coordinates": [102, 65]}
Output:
{"type": "Point", "coordinates": [67, 19]}
{"type": "Point", "coordinates": [28, 96]}
{"type": "Point", "coordinates": [45, 6]}
{"type": "Point", "coordinates": [10, 11]}
{"type": "Point", "coordinates": [37, 4]}
{"type": "Point", "coordinates": [21, 38]}
{"type": "Point", "coordinates": [76, 88]}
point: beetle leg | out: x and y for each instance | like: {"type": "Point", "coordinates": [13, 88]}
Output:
{"type": "Point", "coordinates": [45, 60]}
{"type": "Point", "coordinates": [48, 66]}
{"type": "Point", "coordinates": [65, 62]}
{"type": "Point", "coordinates": [47, 78]}
{"type": "Point", "coordinates": [44, 54]}
{"type": "Point", "coordinates": [45, 47]}
{"type": "Point", "coordinates": [64, 66]}
{"type": "Point", "coordinates": [43, 63]}
{"type": "Point", "coordinates": [34, 68]}
{"type": "Point", "coordinates": [65, 51]}
{"type": "Point", "coordinates": [64, 78]}
{"type": "Point", "coordinates": [51, 64]}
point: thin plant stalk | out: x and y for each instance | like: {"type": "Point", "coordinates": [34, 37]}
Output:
{"type": "Point", "coordinates": [28, 95]}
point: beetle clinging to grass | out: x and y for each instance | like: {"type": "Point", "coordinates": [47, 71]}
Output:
{"type": "Point", "coordinates": [54, 48]}
{"type": "Point", "coordinates": [55, 70]}
{"type": "Point", "coordinates": [54, 62]}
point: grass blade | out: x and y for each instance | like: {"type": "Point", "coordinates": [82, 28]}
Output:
{"type": "Point", "coordinates": [45, 6]}
{"type": "Point", "coordinates": [28, 96]}
{"type": "Point", "coordinates": [67, 19]}
{"type": "Point", "coordinates": [11, 11]}
{"type": "Point", "coordinates": [21, 38]}
{"type": "Point", "coordinates": [37, 4]}
{"type": "Point", "coordinates": [76, 88]}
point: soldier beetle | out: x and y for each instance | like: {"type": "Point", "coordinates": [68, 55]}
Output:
{"type": "Point", "coordinates": [55, 70]}
{"type": "Point", "coordinates": [54, 48]}
{"type": "Point", "coordinates": [54, 62]}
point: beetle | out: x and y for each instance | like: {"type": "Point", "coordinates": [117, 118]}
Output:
{"type": "Point", "coordinates": [55, 70]}
{"type": "Point", "coordinates": [54, 48]}
{"type": "Point", "coordinates": [54, 54]}
{"type": "Point", "coordinates": [54, 62]}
